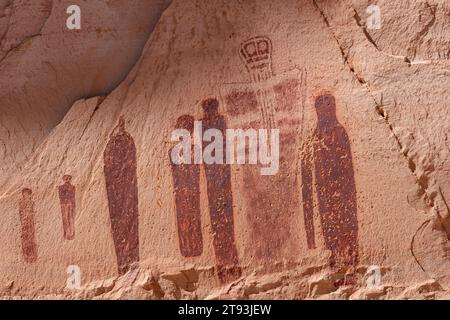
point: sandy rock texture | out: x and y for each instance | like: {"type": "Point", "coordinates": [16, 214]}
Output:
{"type": "Point", "coordinates": [359, 205]}
{"type": "Point", "coordinates": [46, 67]}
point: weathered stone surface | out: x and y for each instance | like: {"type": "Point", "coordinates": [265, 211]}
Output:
{"type": "Point", "coordinates": [45, 67]}
{"type": "Point", "coordinates": [366, 185]}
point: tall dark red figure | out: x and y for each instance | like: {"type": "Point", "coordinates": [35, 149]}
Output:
{"type": "Point", "coordinates": [220, 199]}
{"type": "Point", "coordinates": [330, 153]}
{"type": "Point", "coordinates": [120, 167]}
{"type": "Point", "coordinates": [186, 180]}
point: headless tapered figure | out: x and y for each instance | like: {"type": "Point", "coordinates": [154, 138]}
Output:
{"type": "Point", "coordinates": [220, 200]}
{"type": "Point", "coordinates": [67, 201]}
{"type": "Point", "coordinates": [330, 154]}
{"type": "Point", "coordinates": [186, 180]}
{"type": "Point", "coordinates": [120, 169]}
{"type": "Point", "coordinates": [27, 214]}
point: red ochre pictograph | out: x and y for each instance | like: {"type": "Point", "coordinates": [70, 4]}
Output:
{"type": "Point", "coordinates": [186, 181]}
{"type": "Point", "coordinates": [220, 199]}
{"type": "Point", "coordinates": [67, 202]}
{"type": "Point", "coordinates": [120, 166]}
{"type": "Point", "coordinates": [270, 204]}
{"type": "Point", "coordinates": [27, 214]}
{"type": "Point", "coordinates": [329, 153]}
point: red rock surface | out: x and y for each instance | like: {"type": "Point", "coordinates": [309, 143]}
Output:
{"type": "Point", "coordinates": [364, 171]}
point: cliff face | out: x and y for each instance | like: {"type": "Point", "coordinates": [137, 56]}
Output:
{"type": "Point", "coordinates": [45, 67]}
{"type": "Point", "coordinates": [362, 183]}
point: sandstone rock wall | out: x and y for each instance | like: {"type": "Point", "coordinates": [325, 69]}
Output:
{"type": "Point", "coordinates": [389, 88]}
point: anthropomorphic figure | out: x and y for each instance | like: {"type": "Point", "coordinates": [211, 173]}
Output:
{"type": "Point", "coordinates": [220, 199]}
{"type": "Point", "coordinates": [186, 181]}
{"type": "Point", "coordinates": [256, 54]}
{"type": "Point", "coordinates": [330, 154]}
{"type": "Point", "coordinates": [120, 170]}
{"type": "Point", "coordinates": [27, 220]}
{"type": "Point", "coordinates": [272, 103]}
{"type": "Point", "coordinates": [67, 202]}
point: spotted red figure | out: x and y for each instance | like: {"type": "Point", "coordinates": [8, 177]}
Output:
{"type": "Point", "coordinates": [220, 199]}
{"type": "Point", "coordinates": [120, 169]}
{"type": "Point", "coordinates": [331, 156]}
{"type": "Point", "coordinates": [186, 180]}
{"type": "Point", "coordinates": [67, 202]}
{"type": "Point", "coordinates": [27, 214]}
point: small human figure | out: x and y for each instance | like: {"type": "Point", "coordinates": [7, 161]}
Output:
{"type": "Point", "coordinates": [67, 201]}
{"type": "Point", "coordinates": [27, 220]}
